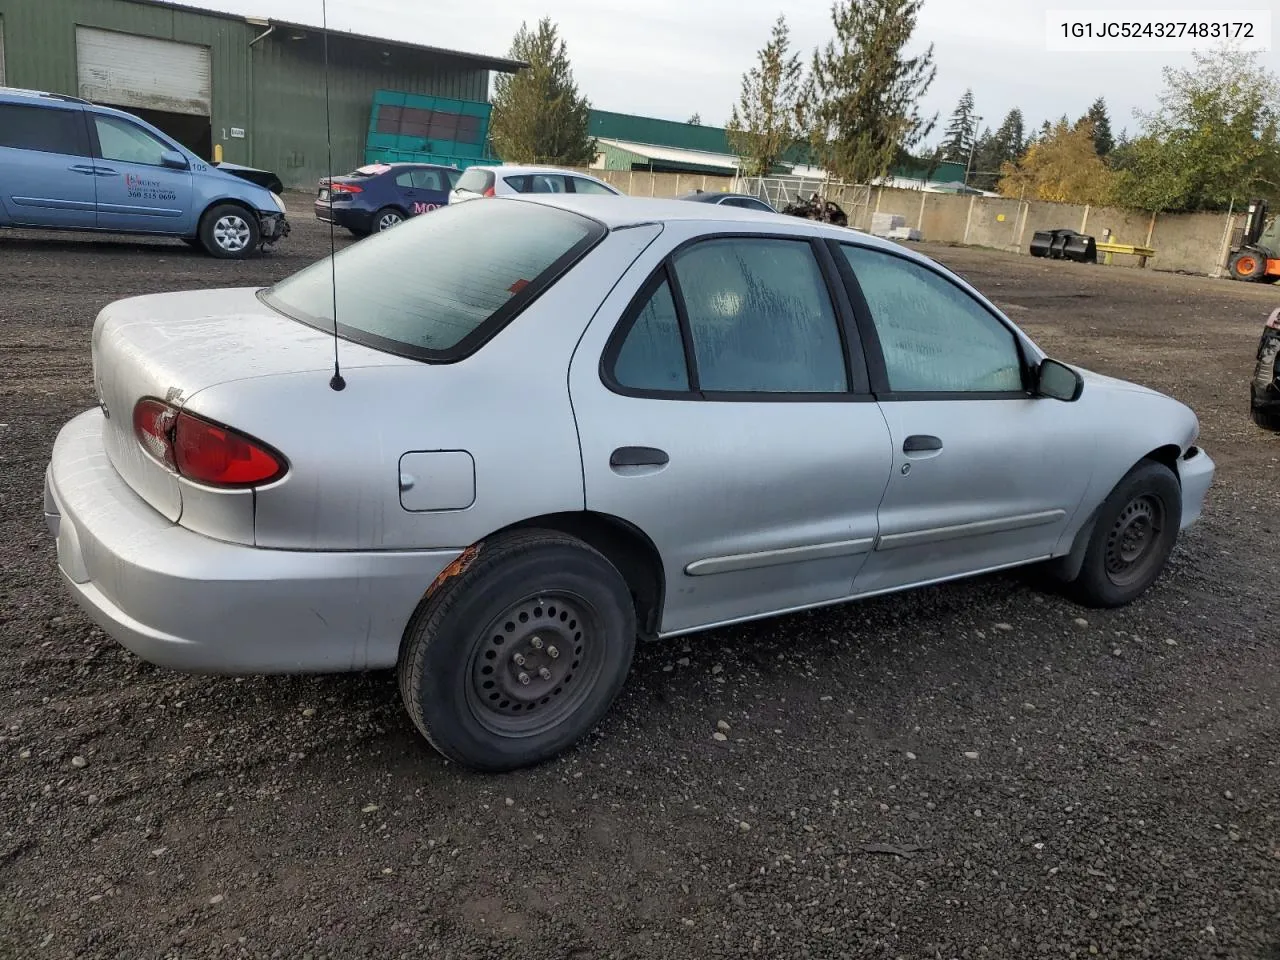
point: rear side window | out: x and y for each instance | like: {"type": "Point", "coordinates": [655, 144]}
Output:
{"type": "Point", "coordinates": [652, 355]}
{"type": "Point", "coordinates": [428, 180]}
{"type": "Point", "coordinates": [437, 287]}
{"type": "Point", "coordinates": [475, 180]}
{"type": "Point", "coordinates": [46, 129]}
{"type": "Point", "coordinates": [760, 317]}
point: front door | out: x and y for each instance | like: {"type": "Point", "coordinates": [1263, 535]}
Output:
{"type": "Point", "coordinates": [46, 174]}
{"type": "Point", "coordinates": [723, 417]}
{"type": "Point", "coordinates": [984, 474]}
{"type": "Point", "coordinates": [136, 192]}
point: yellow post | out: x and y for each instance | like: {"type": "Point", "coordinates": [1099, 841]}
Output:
{"type": "Point", "coordinates": [217, 153]}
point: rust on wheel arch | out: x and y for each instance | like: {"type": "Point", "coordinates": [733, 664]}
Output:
{"type": "Point", "coordinates": [457, 566]}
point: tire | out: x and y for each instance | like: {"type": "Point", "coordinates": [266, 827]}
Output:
{"type": "Point", "coordinates": [535, 604]}
{"type": "Point", "coordinates": [229, 232]}
{"type": "Point", "coordinates": [386, 218]}
{"type": "Point", "coordinates": [1247, 264]}
{"type": "Point", "coordinates": [1268, 421]}
{"type": "Point", "coordinates": [1136, 529]}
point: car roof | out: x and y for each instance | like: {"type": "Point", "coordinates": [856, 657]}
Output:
{"type": "Point", "coordinates": [512, 168]}
{"type": "Point", "coordinates": [617, 212]}
{"type": "Point", "coordinates": [712, 196]}
{"type": "Point", "coordinates": [21, 93]}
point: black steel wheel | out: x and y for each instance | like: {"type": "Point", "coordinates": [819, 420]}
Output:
{"type": "Point", "coordinates": [518, 651]}
{"type": "Point", "coordinates": [1132, 541]}
{"type": "Point", "coordinates": [1133, 534]}
{"type": "Point", "coordinates": [535, 663]}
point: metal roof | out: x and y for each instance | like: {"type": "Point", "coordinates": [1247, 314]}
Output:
{"type": "Point", "coordinates": [700, 158]}
{"type": "Point", "coordinates": [500, 64]}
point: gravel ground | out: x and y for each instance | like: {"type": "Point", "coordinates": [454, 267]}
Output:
{"type": "Point", "coordinates": [976, 770]}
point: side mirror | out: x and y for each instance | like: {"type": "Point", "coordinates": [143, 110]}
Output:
{"type": "Point", "coordinates": [173, 159]}
{"type": "Point", "coordinates": [1058, 381]}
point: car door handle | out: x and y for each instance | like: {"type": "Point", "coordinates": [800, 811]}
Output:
{"type": "Point", "coordinates": [920, 443]}
{"type": "Point", "coordinates": [104, 172]}
{"type": "Point", "coordinates": [81, 168]}
{"type": "Point", "coordinates": [638, 457]}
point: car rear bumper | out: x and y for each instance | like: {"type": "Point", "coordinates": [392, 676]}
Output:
{"type": "Point", "coordinates": [344, 216]}
{"type": "Point", "coordinates": [185, 601]}
{"type": "Point", "coordinates": [1195, 472]}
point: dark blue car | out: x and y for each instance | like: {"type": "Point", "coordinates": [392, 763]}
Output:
{"type": "Point", "coordinates": [378, 196]}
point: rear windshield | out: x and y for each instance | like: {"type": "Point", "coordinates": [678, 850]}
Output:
{"type": "Point", "coordinates": [369, 170]}
{"type": "Point", "coordinates": [438, 287]}
{"type": "Point", "coordinates": [475, 180]}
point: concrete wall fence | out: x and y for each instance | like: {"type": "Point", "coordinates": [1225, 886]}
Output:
{"type": "Point", "coordinates": [1196, 243]}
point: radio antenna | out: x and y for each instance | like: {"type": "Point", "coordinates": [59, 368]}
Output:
{"type": "Point", "coordinates": [335, 382]}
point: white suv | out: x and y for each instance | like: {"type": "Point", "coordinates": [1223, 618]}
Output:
{"type": "Point", "coordinates": [509, 178]}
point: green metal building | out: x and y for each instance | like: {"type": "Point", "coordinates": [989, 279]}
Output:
{"type": "Point", "coordinates": [251, 88]}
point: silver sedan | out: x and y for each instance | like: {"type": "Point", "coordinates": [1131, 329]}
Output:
{"type": "Point", "coordinates": [562, 423]}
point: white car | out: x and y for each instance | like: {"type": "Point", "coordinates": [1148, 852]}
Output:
{"type": "Point", "coordinates": [508, 179]}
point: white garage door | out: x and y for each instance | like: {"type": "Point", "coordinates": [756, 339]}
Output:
{"type": "Point", "coordinates": [126, 70]}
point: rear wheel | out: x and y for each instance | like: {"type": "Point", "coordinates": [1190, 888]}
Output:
{"type": "Point", "coordinates": [1268, 421]}
{"type": "Point", "coordinates": [386, 218]}
{"type": "Point", "coordinates": [229, 232]}
{"type": "Point", "coordinates": [1134, 534]}
{"type": "Point", "coordinates": [1247, 264]}
{"type": "Point", "coordinates": [518, 654]}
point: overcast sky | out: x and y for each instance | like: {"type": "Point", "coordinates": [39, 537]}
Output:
{"type": "Point", "coordinates": [672, 58]}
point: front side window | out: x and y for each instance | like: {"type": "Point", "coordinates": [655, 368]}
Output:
{"type": "Point", "coordinates": [760, 317]}
{"type": "Point", "coordinates": [44, 129]}
{"type": "Point", "coordinates": [652, 354]}
{"type": "Point", "coordinates": [123, 142]}
{"type": "Point", "coordinates": [427, 286]}
{"type": "Point", "coordinates": [934, 336]}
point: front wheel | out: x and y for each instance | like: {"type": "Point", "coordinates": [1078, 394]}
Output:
{"type": "Point", "coordinates": [1134, 534]}
{"type": "Point", "coordinates": [229, 232]}
{"type": "Point", "coordinates": [520, 652]}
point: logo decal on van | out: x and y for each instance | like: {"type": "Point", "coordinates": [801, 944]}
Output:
{"type": "Point", "coordinates": [140, 188]}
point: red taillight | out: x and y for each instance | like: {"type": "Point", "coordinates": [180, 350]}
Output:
{"type": "Point", "coordinates": [202, 451]}
{"type": "Point", "coordinates": [490, 192]}
{"type": "Point", "coordinates": [347, 188]}
{"type": "Point", "coordinates": [153, 426]}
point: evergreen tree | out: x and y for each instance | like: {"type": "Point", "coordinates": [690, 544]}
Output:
{"type": "Point", "coordinates": [538, 115]}
{"type": "Point", "coordinates": [1101, 119]}
{"type": "Point", "coordinates": [961, 131]}
{"type": "Point", "coordinates": [764, 125]}
{"type": "Point", "coordinates": [863, 107]}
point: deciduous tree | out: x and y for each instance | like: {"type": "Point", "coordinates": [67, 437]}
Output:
{"type": "Point", "coordinates": [1212, 141]}
{"type": "Point", "coordinates": [1064, 167]}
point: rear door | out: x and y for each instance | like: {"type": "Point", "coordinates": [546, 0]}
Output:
{"type": "Point", "coordinates": [430, 189]}
{"type": "Point", "coordinates": [136, 191]}
{"type": "Point", "coordinates": [584, 185]}
{"type": "Point", "coordinates": [46, 171]}
{"type": "Point", "coordinates": [985, 475]}
{"type": "Point", "coordinates": [723, 410]}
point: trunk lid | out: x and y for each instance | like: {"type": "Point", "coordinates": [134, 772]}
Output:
{"type": "Point", "coordinates": [173, 345]}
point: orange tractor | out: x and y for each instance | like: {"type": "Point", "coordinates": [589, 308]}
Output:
{"type": "Point", "coordinates": [1258, 256]}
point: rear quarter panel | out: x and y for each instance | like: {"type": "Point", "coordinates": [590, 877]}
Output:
{"type": "Point", "coordinates": [507, 405]}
